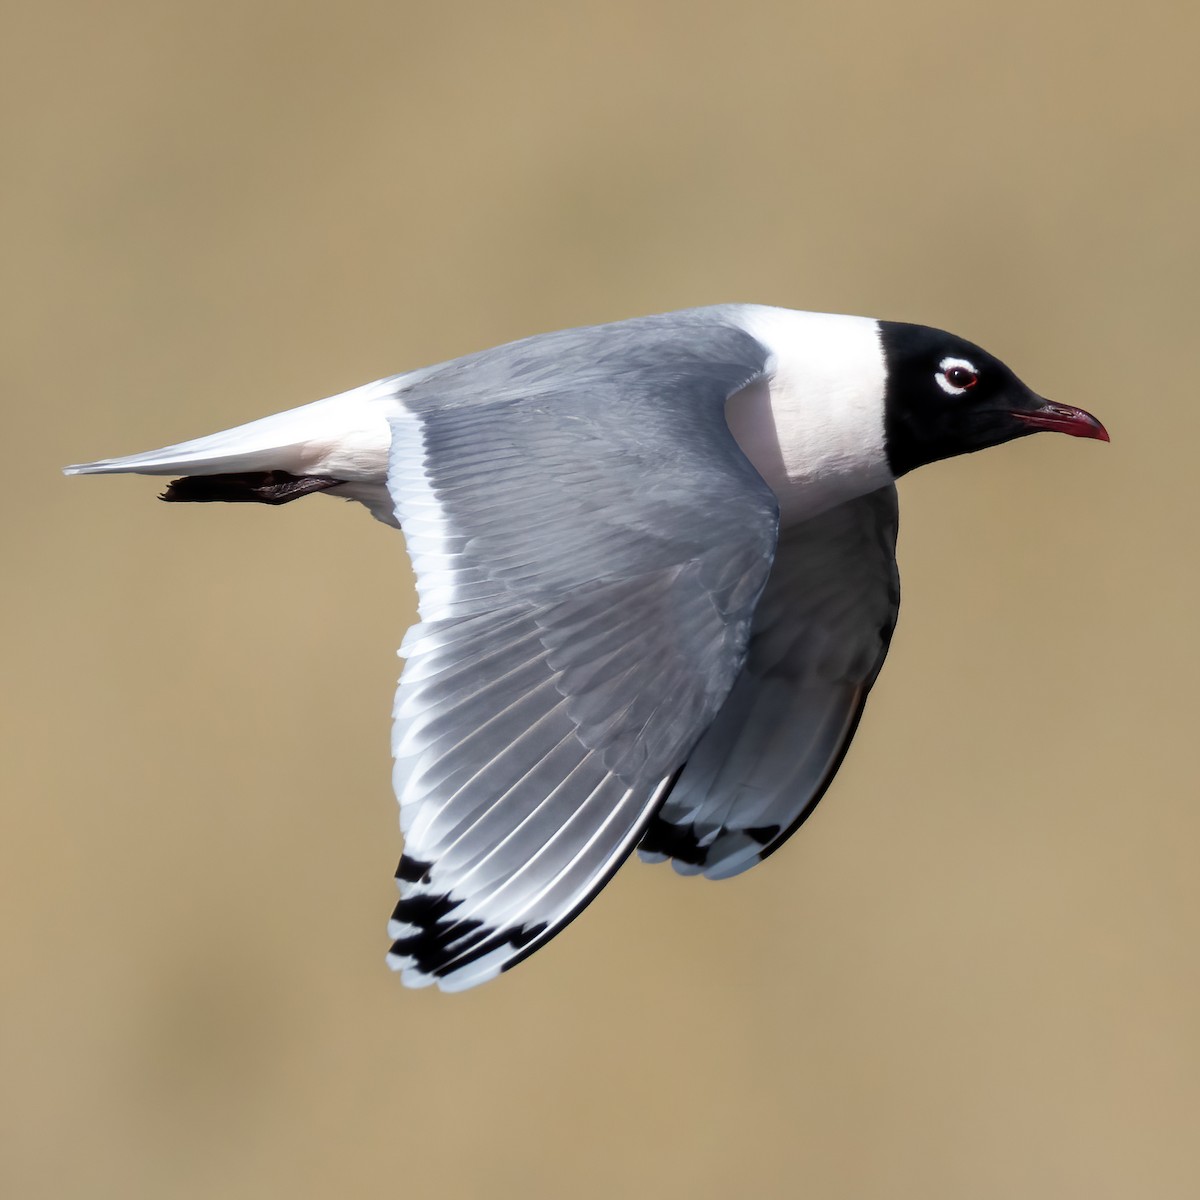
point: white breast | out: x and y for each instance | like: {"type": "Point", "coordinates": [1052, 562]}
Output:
{"type": "Point", "coordinates": [813, 428]}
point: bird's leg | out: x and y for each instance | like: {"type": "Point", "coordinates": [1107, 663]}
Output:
{"type": "Point", "coordinates": [249, 487]}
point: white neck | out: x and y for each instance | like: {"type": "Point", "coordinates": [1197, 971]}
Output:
{"type": "Point", "coordinates": [813, 428]}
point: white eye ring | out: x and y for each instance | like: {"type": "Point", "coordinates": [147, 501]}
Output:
{"type": "Point", "coordinates": [947, 365]}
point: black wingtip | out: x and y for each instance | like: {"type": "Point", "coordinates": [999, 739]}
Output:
{"type": "Point", "coordinates": [674, 841]}
{"type": "Point", "coordinates": [413, 870]}
{"type": "Point", "coordinates": [440, 945]}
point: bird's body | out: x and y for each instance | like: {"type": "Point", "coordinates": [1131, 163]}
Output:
{"type": "Point", "coordinates": [656, 570]}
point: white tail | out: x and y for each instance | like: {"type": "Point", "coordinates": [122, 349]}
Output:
{"type": "Point", "coordinates": [345, 436]}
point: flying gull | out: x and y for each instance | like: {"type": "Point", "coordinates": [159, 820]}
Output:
{"type": "Point", "coordinates": [657, 579]}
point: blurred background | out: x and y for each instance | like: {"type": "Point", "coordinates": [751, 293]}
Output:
{"type": "Point", "coordinates": [976, 972]}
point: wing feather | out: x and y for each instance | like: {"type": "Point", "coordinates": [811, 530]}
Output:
{"type": "Point", "coordinates": [820, 635]}
{"type": "Point", "coordinates": [583, 619]}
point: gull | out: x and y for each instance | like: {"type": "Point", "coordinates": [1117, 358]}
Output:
{"type": "Point", "coordinates": [656, 568]}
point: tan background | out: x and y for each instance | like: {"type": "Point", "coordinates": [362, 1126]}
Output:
{"type": "Point", "coordinates": [975, 974]}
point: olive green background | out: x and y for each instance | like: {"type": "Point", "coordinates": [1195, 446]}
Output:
{"type": "Point", "coordinates": [974, 974]}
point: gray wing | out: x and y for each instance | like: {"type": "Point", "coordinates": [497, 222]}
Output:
{"type": "Point", "coordinates": [820, 635]}
{"type": "Point", "coordinates": [589, 545]}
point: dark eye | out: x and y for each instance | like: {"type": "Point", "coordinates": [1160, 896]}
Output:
{"type": "Point", "coordinates": [956, 375]}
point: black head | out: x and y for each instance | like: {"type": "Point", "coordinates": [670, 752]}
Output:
{"type": "Point", "coordinates": [946, 396]}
